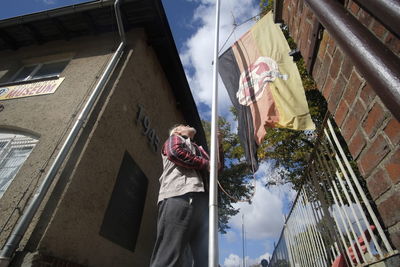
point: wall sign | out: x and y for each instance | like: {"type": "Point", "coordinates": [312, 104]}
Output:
{"type": "Point", "coordinates": [30, 89]}
{"type": "Point", "coordinates": [123, 217]}
{"type": "Point", "coordinates": [148, 131]}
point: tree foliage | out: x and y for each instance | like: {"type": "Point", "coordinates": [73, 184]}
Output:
{"type": "Point", "coordinates": [266, 6]}
{"type": "Point", "coordinates": [235, 176]}
{"type": "Point", "coordinates": [289, 149]}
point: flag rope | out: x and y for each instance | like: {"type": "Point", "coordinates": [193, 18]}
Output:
{"type": "Point", "coordinates": [236, 199]}
{"type": "Point", "coordinates": [248, 128]}
{"type": "Point", "coordinates": [253, 174]}
{"type": "Point", "coordinates": [235, 26]}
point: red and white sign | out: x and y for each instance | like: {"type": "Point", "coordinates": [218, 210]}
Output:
{"type": "Point", "coordinates": [30, 89]}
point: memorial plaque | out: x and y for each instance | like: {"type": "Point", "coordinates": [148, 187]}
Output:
{"type": "Point", "coordinates": [121, 223]}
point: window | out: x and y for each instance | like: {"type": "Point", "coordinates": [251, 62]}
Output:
{"type": "Point", "coordinates": [37, 71]}
{"type": "Point", "coordinates": [14, 150]}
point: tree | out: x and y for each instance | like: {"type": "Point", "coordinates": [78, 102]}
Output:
{"type": "Point", "coordinates": [235, 176]}
{"type": "Point", "coordinates": [266, 6]}
{"type": "Point", "coordinates": [289, 149]}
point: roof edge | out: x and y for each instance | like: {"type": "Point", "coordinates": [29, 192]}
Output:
{"type": "Point", "coordinates": [51, 13]}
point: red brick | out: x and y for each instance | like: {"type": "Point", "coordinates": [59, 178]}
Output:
{"type": "Point", "coordinates": [392, 130]}
{"type": "Point", "coordinates": [305, 31]}
{"type": "Point", "coordinates": [327, 89]}
{"type": "Point", "coordinates": [352, 88]}
{"type": "Point", "coordinates": [341, 113]}
{"type": "Point", "coordinates": [295, 28]}
{"type": "Point", "coordinates": [367, 94]}
{"type": "Point", "coordinates": [302, 25]}
{"type": "Point", "coordinates": [365, 18]}
{"type": "Point", "coordinates": [378, 29]}
{"type": "Point", "coordinates": [388, 209]}
{"type": "Point", "coordinates": [317, 67]}
{"type": "Point", "coordinates": [285, 12]}
{"type": "Point", "coordinates": [354, 8]}
{"type": "Point", "coordinates": [354, 117]}
{"type": "Point", "coordinates": [320, 80]}
{"type": "Point", "coordinates": [356, 144]}
{"type": "Point", "coordinates": [393, 43]}
{"type": "Point", "coordinates": [374, 120]}
{"type": "Point", "coordinates": [378, 184]}
{"type": "Point", "coordinates": [308, 13]}
{"type": "Point", "coordinates": [336, 64]}
{"type": "Point", "coordinates": [331, 46]}
{"type": "Point", "coordinates": [300, 6]}
{"type": "Point", "coordinates": [393, 167]}
{"type": "Point", "coordinates": [374, 155]}
{"type": "Point", "coordinates": [347, 67]}
{"type": "Point", "coordinates": [299, 9]}
{"type": "Point", "coordinates": [336, 94]}
{"type": "Point", "coordinates": [323, 44]}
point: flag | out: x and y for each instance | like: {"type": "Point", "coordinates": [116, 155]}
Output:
{"type": "Point", "coordinates": [264, 85]}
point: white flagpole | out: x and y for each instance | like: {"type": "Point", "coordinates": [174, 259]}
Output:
{"type": "Point", "coordinates": [213, 204]}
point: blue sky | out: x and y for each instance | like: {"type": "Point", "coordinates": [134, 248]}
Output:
{"type": "Point", "coordinates": [192, 25]}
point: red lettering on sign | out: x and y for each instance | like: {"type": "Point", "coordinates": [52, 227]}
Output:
{"type": "Point", "coordinates": [26, 91]}
{"type": "Point", "coordinates": [49, 88]}
{"type": "Point", "coordinates": [40, 89]}
{"type": "Point", "coordinates": [10, 94]}
{"type": "Point", "coordinates": [19, 92]}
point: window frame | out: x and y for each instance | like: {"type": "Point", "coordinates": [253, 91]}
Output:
{"type": "Point", "coordinates": [38, 65]}
{"type": "Point", "coordinates": [14, 141]}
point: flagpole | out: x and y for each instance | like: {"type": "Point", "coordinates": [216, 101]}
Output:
{"type": "Point", "coordinates": [213, 204]}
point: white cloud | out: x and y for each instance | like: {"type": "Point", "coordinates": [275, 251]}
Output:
{"type": "Point", "coordinates": [198, 50]}
{"type": "Point", "coordinates": [234, 260]}
{"type": "Point", "coordinates": [263, 218]}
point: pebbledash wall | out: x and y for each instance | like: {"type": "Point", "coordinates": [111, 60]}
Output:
{"type": "Point", "coordinates": [370, 130]}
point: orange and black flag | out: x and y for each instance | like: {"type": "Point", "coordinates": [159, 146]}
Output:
{"type": "Point", "coordinates": [264, 85]}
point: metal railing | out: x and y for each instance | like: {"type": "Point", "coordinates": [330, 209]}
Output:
{"type": "Point", "coordinates": [331, 220]}
{"type": "Point", "coordinates": [375, 62]}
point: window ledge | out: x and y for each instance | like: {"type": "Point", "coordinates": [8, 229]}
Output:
{"type": "Point", "coordinates": [30, 81]}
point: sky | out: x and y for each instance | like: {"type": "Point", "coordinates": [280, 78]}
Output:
{"type": "Point", "coordinates": [192, 24]}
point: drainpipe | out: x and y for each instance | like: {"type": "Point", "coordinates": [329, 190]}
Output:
{"type": "Point", "coordinates": [18, 232]}
{"type": "Point", "coordinates": [377, 64]}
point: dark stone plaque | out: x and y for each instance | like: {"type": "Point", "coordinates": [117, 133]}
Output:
{"type": "Point", "coordinates": [121, 223]}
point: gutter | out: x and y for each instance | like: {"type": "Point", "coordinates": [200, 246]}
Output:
{"type": "Point", "coordinates": [18, 232]}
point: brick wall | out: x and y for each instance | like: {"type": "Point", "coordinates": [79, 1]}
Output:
{"type": "Point", "coordinates": [371, 132]}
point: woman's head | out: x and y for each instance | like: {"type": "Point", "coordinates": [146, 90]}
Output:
{"type": "Point", "coordinates": [183, 130]}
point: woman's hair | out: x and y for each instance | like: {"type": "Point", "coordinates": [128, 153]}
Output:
{"type": "Point", "coordinates": [176, 129]}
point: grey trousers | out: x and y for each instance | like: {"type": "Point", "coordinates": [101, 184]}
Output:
{"type": "Point", "coordinates": [182, 224]}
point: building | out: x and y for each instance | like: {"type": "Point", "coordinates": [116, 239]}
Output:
{"type": "Point", "coordinates": [85, 104]}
